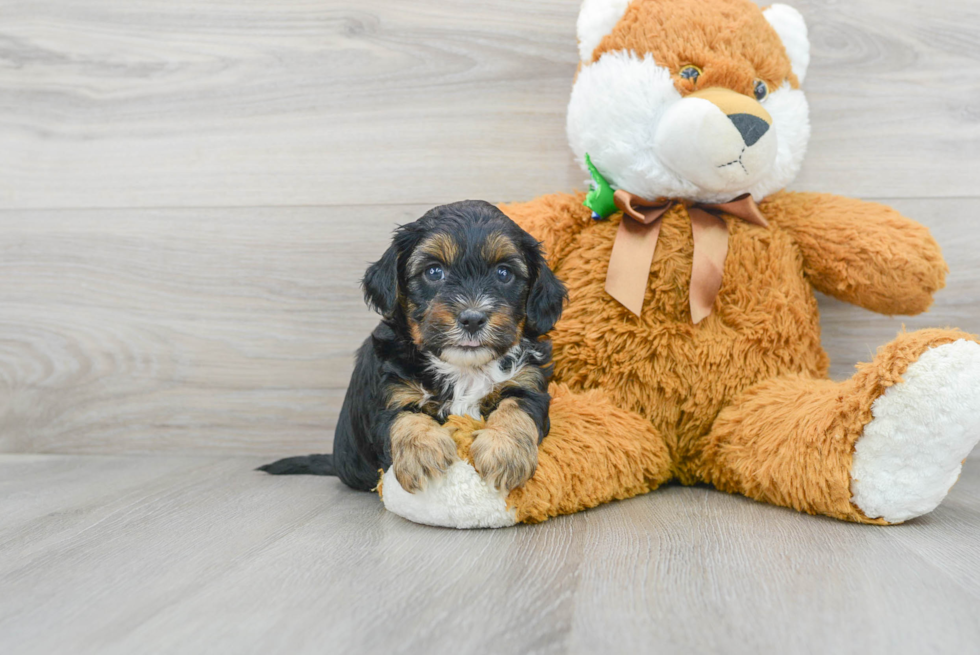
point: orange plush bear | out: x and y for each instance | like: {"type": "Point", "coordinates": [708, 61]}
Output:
{"type": "Point", "coordinates": [690, 347]}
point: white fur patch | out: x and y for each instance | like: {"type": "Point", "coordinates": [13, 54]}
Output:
{"type": "Point", "coordinates": [911, 453]}
{"type": "Point", "coordinates": [596, 19]}
{"type": "Point", "coordinates": [615, 108]}
{"type": "Point", "coordinates": [615, 114]}
{"type": "Point", "coordinates": [471, 384]}
{"type": "Point", "coordinates": [459, 499]}
{"type": "Point", "coordinates": [791, 28]}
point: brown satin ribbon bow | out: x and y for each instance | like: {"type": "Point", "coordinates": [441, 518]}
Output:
{"type": "Point", "coordinates": [636, 241]}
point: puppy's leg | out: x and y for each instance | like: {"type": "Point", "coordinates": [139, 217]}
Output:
{"type": "Point", "coordinates": [420, 449]}
{"type": "Point", "coordinates": [505, 453]}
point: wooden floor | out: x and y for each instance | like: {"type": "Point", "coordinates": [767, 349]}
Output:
{"type": "Point", "coordinates": [202, 555]}
{"type": "Point", "coordinates": [189, 194]}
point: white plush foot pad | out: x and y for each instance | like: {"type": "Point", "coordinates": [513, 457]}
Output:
{"type": "Point", "coordinates": [911, 452]}
{"type": "Point", "coordinates": [459, 499]}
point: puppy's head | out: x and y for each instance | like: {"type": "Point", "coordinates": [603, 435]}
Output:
{"type": "Point", "coordinates": [466, 283]}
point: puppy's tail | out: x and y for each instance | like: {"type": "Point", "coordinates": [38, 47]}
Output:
{"type": "Point", "coordinates": [306, 465]}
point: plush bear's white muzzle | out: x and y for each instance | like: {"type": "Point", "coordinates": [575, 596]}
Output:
{"type": "Point", "coordinates": [716, 152]}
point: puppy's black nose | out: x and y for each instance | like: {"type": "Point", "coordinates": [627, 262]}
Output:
{"type": "Point", "coordinates": [752, 128]}
{"type": "Point", "coordinates": [472, 320]}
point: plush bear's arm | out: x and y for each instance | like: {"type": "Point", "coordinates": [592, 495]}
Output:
{"type": "Point", "coordinates": [861, 252]}
{"type": "Point", "coordinates": [554, 220]}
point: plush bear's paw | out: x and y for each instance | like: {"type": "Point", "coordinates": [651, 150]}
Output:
{"type": "Point", "coordinates": [912, 451]}
{"type": "Point", "coordinates": [458, 499]}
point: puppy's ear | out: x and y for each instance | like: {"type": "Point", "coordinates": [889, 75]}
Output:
{"type": "Point", "coordinates": [546, 297]}
{"type": "Point", "coordinates": [380, 283]}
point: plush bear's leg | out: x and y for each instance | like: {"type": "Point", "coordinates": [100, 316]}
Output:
{"type": "Point", "coordinates": [882, 447]}
{"type": "Point", "coordinates": [594, 453]}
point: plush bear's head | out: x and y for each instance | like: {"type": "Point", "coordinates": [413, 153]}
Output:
{"type": "Point", "coordinates": [695, 99]}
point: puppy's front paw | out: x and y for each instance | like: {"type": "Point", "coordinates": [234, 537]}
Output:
{"type": "Point", "coordinates": [421, 449]}
{"type": "Point", "coordinates": [505, 453]}
{"type": "Point", "coordinates": [503, 459]}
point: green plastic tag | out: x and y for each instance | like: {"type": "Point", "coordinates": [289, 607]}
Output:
{"type": "Point", "coordinates": [600, 198]}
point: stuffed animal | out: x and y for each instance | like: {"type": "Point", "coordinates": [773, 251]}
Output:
{"type": "Point", "coordinates": [690, 346]}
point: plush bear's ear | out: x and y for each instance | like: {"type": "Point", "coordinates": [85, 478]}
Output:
{"type": "Point", "coordinates": [547, 296]}
{"type": "Point", "coordinates": [791, 28]}
{"type": "Point", "coordinates": [596, 19]}
{"type": "Point", "coordinates": [380, 283]}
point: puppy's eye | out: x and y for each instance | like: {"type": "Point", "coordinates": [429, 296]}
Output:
{"type": "Point", "coordinates": [690, 72]}
{"type": "Point", "coordinates": [434, 273]}
{"type": "Point", "coordinates": [504, 274]}
{"type": "Point", "coordinates": [761, 90]}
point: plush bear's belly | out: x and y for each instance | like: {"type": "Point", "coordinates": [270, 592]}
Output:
{"type": "Point", "coordinates": [764, 324]}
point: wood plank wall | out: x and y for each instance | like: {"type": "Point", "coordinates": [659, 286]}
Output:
{"type": "Point", "coordinates": [190, 191]}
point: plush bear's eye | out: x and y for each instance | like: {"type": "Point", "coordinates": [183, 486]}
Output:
{"type": "Point", "coordinates": [690, 72]}
{"type": "Point", "coordinates": [761, 90]}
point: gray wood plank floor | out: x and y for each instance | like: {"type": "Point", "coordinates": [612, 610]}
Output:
{"type": "Point", "coordinates": [201, 555]}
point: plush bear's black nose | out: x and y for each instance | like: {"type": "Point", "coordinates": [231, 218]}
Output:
{"type": "Point", "coordinates": [750, 127]}
{"type": "Point", "coordinates": [472, 320]}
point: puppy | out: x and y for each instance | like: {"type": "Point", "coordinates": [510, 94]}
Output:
{"type": "Point", "coordinates": [466, 299]}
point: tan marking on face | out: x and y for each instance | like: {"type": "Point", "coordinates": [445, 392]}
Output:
{"type": "Point", "coordinates": [408, 309]}
{"type": "Point", "coordinates": [421, 449]}
{"type": "Point", "coordinates": [440, 316]}
{"type": "Point", "coordinates": [415, 331]}
{"type": "Point", "coordinates": [441, 247]}
{"type": "Point", "coordinates": [729, 40]}
{"type": "Point", "coordinates": [500, 320]}
{"type": "Point", "coordinates": [498, 248]}
{"type": "Point", "coordinates": [505, 453]}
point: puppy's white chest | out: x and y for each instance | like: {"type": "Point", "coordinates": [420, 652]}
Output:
{"type": "Point", "coordinates": [470, 385]}
{"type": "Point", "coordinates": [469, 389]}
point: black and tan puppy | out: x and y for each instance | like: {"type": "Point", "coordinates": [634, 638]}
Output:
{"type": "Point", "coordinates": [466, 299]}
